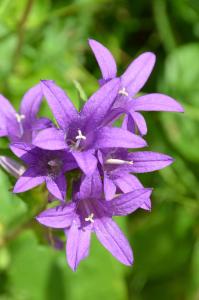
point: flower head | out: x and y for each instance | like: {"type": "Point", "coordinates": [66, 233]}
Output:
{"type": "Point", "coordinates": [43, 166]}
{"type": "Point", "coordinates": [131, 82]}
{"type": "Point", "coordinates": [89, 212]}
{"type": "Point", "coordinates": [117, 165]}
{"type": "Point", "coordinates": [84, 132]}
{"type": "Point", "coordinates": [22, 126]}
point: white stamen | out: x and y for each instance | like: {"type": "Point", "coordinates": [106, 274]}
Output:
{"type": "Point", "coordinates": [115, 161]}
{"type": "Point", "coordinates": [123, 92]}
{"type": "Point", "coordinates": [54, 163]}
{"type": "Point", "coordinates": [80, 136]}
{"type": "Point", "coordinates": [90, 218]}
{"type": "Point", "coordinates": [19, 117]}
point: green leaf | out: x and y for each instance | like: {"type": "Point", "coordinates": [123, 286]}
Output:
{"type": "Point", "coordinates": [181, 82]}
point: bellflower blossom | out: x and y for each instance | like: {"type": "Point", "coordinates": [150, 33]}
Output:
{"type": "Point", "coordinates": [43, 166]}
{"type": "Point", "coordinates": [22, 125]}
{"type": "Point", "coordinates": [132, 81]}
{"type": "Point", "coordinates": [118, 164]}
{"type": "Point", "coordinates": [89, 213]}
{"type": "Point", "coordinates": [84, 132]}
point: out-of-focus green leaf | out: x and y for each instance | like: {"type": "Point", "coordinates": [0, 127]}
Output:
{"type": "Point", "coordinates": [98, 276]}
{"type": "Point", "coordinates": [181, 82]}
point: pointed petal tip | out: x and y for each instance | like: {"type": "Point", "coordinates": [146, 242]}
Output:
{"type": "Point", "coordinates": [178, 108]}
{"type": "Point", "coordinates": [46, 80]}
{"type": "Point", "coordinates": [92, 42]}
{"type": "Point", "coordinates": [169, 160]}
{"type": "Point", "coordinates": [181, 109]}
{"type": "Point", "coordinates": [129, 260]}
{"type": "Point", "coordinates": [73, 268]}
{"type": "Point", "coordinates": [151, 55]}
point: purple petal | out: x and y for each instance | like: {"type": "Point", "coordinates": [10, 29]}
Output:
{"type": "Point", "coordinates": [112, 238]}
{"type": "Point", "coordinates": [113, 115]}
{"type": "Point", "coordinates": [138, 73]}
{"type": "Point", "coordinates": [156, 102]}
{"type": "Point", "coordinates": [20, 149]}
{"type": "Point", "coordinates": [99, 104]}
{"type": "Point", "coordinates": [148, 161]}
{"type": "Point", "coordinates": [8, 121]}
{"type": "Point", "coordinates": [109, 188]}
{"type": "Point", "coordinates": [127, 183]}
{"type": "Point", "coordinates": [69, 163]}
{"type": "Point", "coordinates": [3, 130]}
{"type": "Point", "coordinates": [61, 106]}
{"type": "Point", "coordinates": [86, 161]}
{"type": "Point", "coordinates": [31, 102]}
{"type": "Point", "coordinates": [58, 217]}
{"type": "Point", "coordinates": [108, 137]}
{"type": "Point", "coordinates": [139, 122]}
{"type": "Point", "coordinates": [6, 108]}
{"type": "Point", "coordinates": [51, 139]}
{"type": "Point", "coordinates": [128, 202]}
{"type": "Point", "coordinates": [57, 186]}
{"type": "Point", "coordinates": [91, 186]}
{"type": "Point", "coordinates": [28, 180]}
{"type": "Point", "coordinates": [105, 60]}
{"type": "Point", "coordinates": [77, 246]}
{"type": "Point", "coordinates": [42, 123]}
{"type": "Point", "coordinates": [129, 124]}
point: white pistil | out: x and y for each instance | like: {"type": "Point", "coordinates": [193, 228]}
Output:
{"type": "Point", "coordinates": [80, 136]}
{"type": "Point", "coordinates": [123, 92]}
{"type": "Point", "coordinates": [115, 161]}
{"type": "Point", "coordinates": [90, 218]}
{"type": "Point", "coordinates": [54, 163]}
{"type": "Point", "coordinates": [19, 117]}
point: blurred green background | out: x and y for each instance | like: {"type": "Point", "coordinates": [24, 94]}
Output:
{"type": "Point", "coordinates": [46, 39]}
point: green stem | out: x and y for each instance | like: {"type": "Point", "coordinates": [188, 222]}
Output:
{"type": "Point", "coordinates": [163, 25]}
{"type": "Point", "coordinates": [21, 33]}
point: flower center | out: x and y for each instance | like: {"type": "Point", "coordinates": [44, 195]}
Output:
{"type": "Point", "coordinates": [19, 117]}
{"type": "Point", "coordinates": [123, 92]}
{"type": "Point", "coordinates": [78, 138]}
{"type": "Point", "coordinates": [54, 167]}
{"type": "Point", "coordinates": [114, 161]}
{"type": "Point", "coordinates": [90, 218]}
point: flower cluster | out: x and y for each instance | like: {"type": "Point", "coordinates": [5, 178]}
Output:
{"type": "Point", "coordinates": [104, 184]}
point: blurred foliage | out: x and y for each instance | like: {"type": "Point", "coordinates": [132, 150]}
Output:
{"type": "Point", "coordinates": [48, 40]}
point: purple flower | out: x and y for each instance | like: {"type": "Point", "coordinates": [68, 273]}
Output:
{"type": "Point", "coordinates": [43, 166]}
{"type": "Point", "coordinates": [88, 213]}
{"type": "Point", "coordinates": [82, 133]}
{"type": "Point", "coordinates": [117, 166]}
{"type": "Point", "coordinates": [132, 80]}
{"type": "Point", "coordinates": [22, 126]}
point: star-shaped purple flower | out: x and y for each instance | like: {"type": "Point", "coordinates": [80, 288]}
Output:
{"type": "Point", "coordinates": [22, 125]}
{"type": "Point", "coordinates": [132, 81]}
{"type": "Point", "coordinates": [82, 133]}
{"type": "Point", "coordinates": [89, 212]}
{"type": "Point", "coordinates": [43, 166]}
{"type": "Point", "coordinates": [118, 164]}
